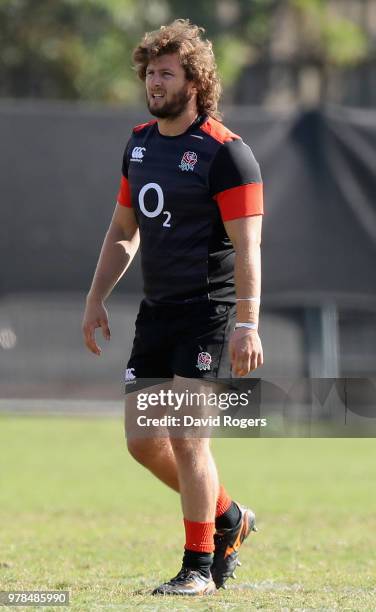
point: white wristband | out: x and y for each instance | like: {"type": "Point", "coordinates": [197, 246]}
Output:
{"type": "Point", "coordinates": [247, 325]}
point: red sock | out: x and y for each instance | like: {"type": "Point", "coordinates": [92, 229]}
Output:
{"type": "Point", "coordinates": [223, 502]}
{"type": "Point", "coordinates": [199, 536]}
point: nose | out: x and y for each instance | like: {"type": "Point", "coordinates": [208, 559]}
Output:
{"type": "Point", "coordinates": [155, 80]}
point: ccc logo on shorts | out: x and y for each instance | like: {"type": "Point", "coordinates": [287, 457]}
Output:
{"type": "Point", "coordinates": [159, 203]}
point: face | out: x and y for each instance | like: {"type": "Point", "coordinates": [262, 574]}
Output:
{"type": "Point", "coordinates": [168, 92]}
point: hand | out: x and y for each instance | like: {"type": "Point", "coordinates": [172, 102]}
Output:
{"type": "Point", "coordinates": [245, 351]}
{"type": "Point", "coordinates": [95, 316]}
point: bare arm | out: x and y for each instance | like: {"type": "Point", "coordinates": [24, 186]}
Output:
{"type": "Point", "coordinates": [245, 344]}
{"type": "Point", "coordinates": [119, 247]}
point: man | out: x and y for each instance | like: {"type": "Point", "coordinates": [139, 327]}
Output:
{"type": "Point", "coordinates": [191, 193]}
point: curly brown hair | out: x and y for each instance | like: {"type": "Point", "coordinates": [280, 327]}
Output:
{"type": "Point", "coordinates": [196, 57]}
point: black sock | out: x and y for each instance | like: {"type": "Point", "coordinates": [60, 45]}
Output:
{"type": "Point", "coordinates": [200, 561]}
{"type": "Point", "coordinates": [228, 519]}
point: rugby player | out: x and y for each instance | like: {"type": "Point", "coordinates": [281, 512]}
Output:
{"type": "Point", "coordinates": [191, 195]}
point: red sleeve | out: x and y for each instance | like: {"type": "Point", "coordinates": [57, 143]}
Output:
{"type": "Point", "coordinates": [241, 201]}
{"type": "Point", "coordinates": [124, 195]}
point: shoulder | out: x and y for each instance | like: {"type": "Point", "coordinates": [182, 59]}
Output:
{"type": "Point", "coordinates": [231, 150]}
{"type": "Point", "coordinates": [143, 127]}
{"type": "Point", "coordinates": [218, 131]}
{"type": "Point", "coordinates": [139, 134]}
{"type": "Point", "coordinates": [233, 164]}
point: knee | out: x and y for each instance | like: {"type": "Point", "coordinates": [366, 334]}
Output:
{"type": "Point", "coordinates": [187, 447]}
{"type": "Point", "coordinates": [138, 448]}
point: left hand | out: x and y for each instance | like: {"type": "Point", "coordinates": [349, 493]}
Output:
{"type": "Point", "coordinates": [245, 351]}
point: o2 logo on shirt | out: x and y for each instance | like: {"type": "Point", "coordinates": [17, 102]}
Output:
{"type": "Point", "coordinates": [160, 203]}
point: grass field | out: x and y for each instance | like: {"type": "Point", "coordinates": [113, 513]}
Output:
{"type": "Point", "coordinates": [77, 513]}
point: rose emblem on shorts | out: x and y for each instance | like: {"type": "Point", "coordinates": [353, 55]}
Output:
{"type": "Point", "coordinates": [203, 361]}
{"type": "Point", "coordinates": [188, 160]}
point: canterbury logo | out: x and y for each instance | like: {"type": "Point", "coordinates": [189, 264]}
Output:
{"type": "Point", "coordinates": [138, 154]}
{"type": "Point", "coordinates": [129, 374]}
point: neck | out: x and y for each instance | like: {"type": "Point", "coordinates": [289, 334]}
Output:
{"type": "Point", "coordinates": [179, 125]}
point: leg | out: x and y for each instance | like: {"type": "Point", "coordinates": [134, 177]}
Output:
{"type": "Point", "coordinates": [157, 456]}
{"type": "Point", "coordinates": [198, 478]}
{"type": "Point", "coordinates": [198, 483]}
{"type": "Point", "coordinates": [155, 453]}
{"type": "Point", "coordinates": [197, 472]}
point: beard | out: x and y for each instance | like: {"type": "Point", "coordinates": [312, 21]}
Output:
{"type": "Point", "coordinates": [172, 109]}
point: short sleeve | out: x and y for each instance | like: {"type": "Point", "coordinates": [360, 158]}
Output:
{"type": "Point", "coordinates": [124, 194]}
{"type": "Point", "coordinates": [235, 181]}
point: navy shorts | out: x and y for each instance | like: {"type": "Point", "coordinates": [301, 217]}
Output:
{"type": "Point", "coordinates": [189, 340]}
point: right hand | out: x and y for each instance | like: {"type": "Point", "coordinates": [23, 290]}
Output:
{"type": "Point", "coordinates": [95, 316]}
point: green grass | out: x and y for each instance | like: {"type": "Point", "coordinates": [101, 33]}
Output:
{"type": "Point", "coordinates": [76, 512]}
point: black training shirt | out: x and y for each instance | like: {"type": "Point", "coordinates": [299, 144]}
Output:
{"type": "Point", "coordinates": [182, 189]}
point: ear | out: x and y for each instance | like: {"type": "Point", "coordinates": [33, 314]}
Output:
{"type": "Point", "coordinates": [194, 88]}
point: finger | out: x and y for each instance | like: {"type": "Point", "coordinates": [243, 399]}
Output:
{"type": "Point", "coordinates": [242, 372]}
{"type": "Point", "coordinates": [89, 334]}
{"type": "Point", "coordinates": [253, 361]}
{"type": "Point", "coordinates": [260, 359]}
{"type": "Point", "coordinates": [232, 359]}
{"type": "Point", "coordinates": [232, 352]}
{"type": "Point", "coordinates": [105, 329]}
{"type": "Point", "coordinates": [93, 347]}
{"type": "Point", "coordinates": [242, 366]}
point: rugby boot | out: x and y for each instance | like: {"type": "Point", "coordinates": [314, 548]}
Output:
{"type": "Point", "coordinates": [227, 543]}
{"type": "Point", "coordinates": [187, 582]}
